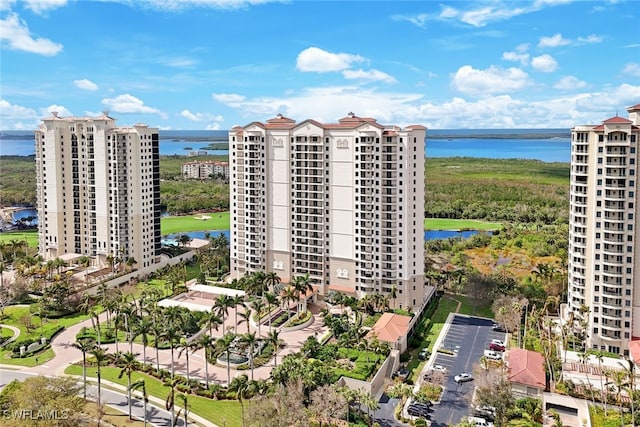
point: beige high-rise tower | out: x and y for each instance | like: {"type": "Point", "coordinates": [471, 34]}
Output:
{"type": "Point", "coordinates": [98, 190]}
{"type": "Point", "coordinates": [604, 243]}
{"type": "Point", "coordinates": [343, 202]}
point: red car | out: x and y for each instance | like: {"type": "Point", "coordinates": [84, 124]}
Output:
{"type": "Point", "coordinates": [496, 347]}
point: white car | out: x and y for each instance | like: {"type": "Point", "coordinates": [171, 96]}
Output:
{"type": "Point", "coordinates": [463, 378]}
{"type": "Point", "coordinates": [492, 355]}
{"type": "Point", "coordinates": [498, 342]}
{"type": "Point", "coordinates": [438, 368]}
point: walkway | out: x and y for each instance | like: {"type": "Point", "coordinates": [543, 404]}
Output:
{"type": "Point", "coordinates": [16, 334]}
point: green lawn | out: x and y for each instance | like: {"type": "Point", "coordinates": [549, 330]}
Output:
{"type": "Point", "coordinates": [459, 224]}
{"type": "Point", "coordinates": [220, 412]}
{"type": "Point", "coordinates": [186, 223]}
{"type": "Point", "coordinates": [30, 236]}
{"type": "Point", "coordinates": [15, 316]}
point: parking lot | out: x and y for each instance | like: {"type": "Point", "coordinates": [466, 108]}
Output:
{"type": "Point", "coordinates": [467, 337]}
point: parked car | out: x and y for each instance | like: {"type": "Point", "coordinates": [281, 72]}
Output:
{"type": "Point", "coordinates": [418, 411]}
{"type": "Point", "coordinates": [487, 412]}
{"type": "Point", "coordinates": [424, 353]}
{"type": "Point", "coordinates": [401, 373]}
{"type": "Point", "coordinates": [496, 347]}
{"type": "Point", "coordinates": [492, 355]}
{"type": "Point", "coordinates": [463, 377]}
{"type": "Point", "coordinates": [497, 342]}
{"type": "Point", "coordinates": [479, 422]}
{"type": "Point", "coordinates": [498, 328]}
{"type": "Point", "coordinates": [438, 368]}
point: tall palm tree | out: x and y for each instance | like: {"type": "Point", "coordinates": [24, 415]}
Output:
{"type": "Point", "coordinates": [271, 280]}
{"type": "Point", "coordinates": [584, 359]}
{"type": "Point", "coordinates": [85, 262]}
{"type": "Point", "coordinates": [245, 316]}
{"type": "Point", "coordinates": [272, 301]}
{"type": "Point", "coordinates": [185, 347]}
{"type": "Point", "coordinates": [289, 295]}
{"type": "Point", "coordinates": [249, 341]}
{"type": "Point", "coordinates": [212, 320]}
{"type": "Point", "coordinates": [95, 320]}
{"type": "Point", "coordinates": [143, 329]}
{"type": "Point", "coordinates": [206, 343]}
{"type": "Point", "coordinates": [600, 358]}
{"type": "Point", "coordinates": [629, 368]}
{"type": "Point", "coordinates": [302, 285]}
{"type": "Point", "coordinates": [274, 339]}
{"type": "Point", "coordinates": [618, 379]}
{"type": "Point", "coordinates": [100, 355]}
{"type": "Point", "coordinates": [85, 346]}
{"type": "Point", "coordinates": [157, 331]}
{"type": "Point", "coordinates": [221, 306]}
{"type": "Point", "coordinates": [170, 403]}
{"type": "Point", "coordinates": [128, 364]}
{"type": "Point", "coordinates": [259, 306]}
{"type": "Point", "coordinates": [239, 386]}
{"type": "Point", "coordinates": [185, 407]}
{"type": "Point", "coordinates": [234, 302]}
{"type": "Point", "coordinates": [140, 384]}
{"type": "Point", "coordinates": [223, 345]}
{"type": "Point", "coordinates": [172, 335]}
{"type": "Point", "coordinates": [393, 294]}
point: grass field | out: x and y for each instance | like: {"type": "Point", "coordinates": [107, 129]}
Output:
{"type": "Point", "coordinates": [30, 236]}
{"type": "Point", "coordinates": [186, 223]}
{"type": "Point", "coordinates": [459, 224]}
{"type": "Point", "coordinates": [220, 412]}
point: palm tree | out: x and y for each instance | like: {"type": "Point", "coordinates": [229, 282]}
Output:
{"type": "Point", "coordinates": [212, 320]}
{"type": "Point", "coordinates": [372, 405]}
{"type": "Point", "coordinates": [157, 331]}
{"type": "Point", "coordinates": [302, 285]}
{"type": "Point", "coordinates": [85, 262]}
{"type": "Point", "coordinates": [143, 329]}
{"type": "Point", "coordinates": [234, 302]}
{"type": "Point", "coordinates": [221, 306]}
{"type": "Point", "coordinates": [95, 320]}
{"type": "Point", "coordinates": [600, 357]}
{"type": "Point", "coordinates": [271, 280]}
{"type": "Point", "coordinates": [289, 295]}
{"type": "Point", "coordinates": [258, 305]}
{"type": "Point", "coordinates": [128, 364]}
{"type": "Point", "coordinates": [185, 347]}
{"type": "Point", "coordinates": [245, 316]}
{"type": "Point", "coordinates": [240, 385]}
{"type": "Point", "coordinates": [393, 294]}
{"type": "Point", "coordinates": [206, 343]}
{"type": "Point", "coordinates": [629, 368]}
{"type": "Point", "coordinates": [618, 381]}
{"type": "Point", "coordinates": [172, 335]}
{"type": "Point", "coordinates": [274, 339]}
{"type": "Point", "coordinates": [223, 345]}
{"type": "Point", "coordinates": [140, 384]}
{"type": "Point", "coordinates": [584, 359]}
{"type": "Point", "coordinates": [85, 346]}
{"type": "Point", "coordinates": [100, 354]}
{"type": "Point", "coordinates": [171, 397]}
{"type": "Point", "coordinates": [185, 406]}
{"type": "Point", "coordinates": [272, 301]}
{"type": "Point", "coordinates": [249, 341]}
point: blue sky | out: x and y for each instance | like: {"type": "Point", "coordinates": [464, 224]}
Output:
{"type": "Point", "coordinates": [213, 64]}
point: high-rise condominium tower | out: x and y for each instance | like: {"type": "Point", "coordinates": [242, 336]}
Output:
{"type": "Point", "coordinates": [98, 190]}
{"type": "Point", "coordinates": [604, 257]}
{"type": "Point", "coordinates": [343, 202]}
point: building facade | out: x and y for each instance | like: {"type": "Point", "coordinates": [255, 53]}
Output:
{"type": "Point", "coordinates": [98, 190]}
{"type": "Point", "coordinates": [343, 202]}
{"type": "Point", "coordinates": [205, 169]}
{"type": "Point", "coordinates": [604, 269]}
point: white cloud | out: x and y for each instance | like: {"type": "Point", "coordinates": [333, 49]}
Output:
{"type": "Point", "coordinates": [227, 97]}
{"type": "Point", "coordinates": [544, 63]}
{"type": "Point", "coordinates": [42, 6]}
{"type": "Point", "coordinates": [569, 83]}
{"type": "Point", "coordinates": [85, 85]}
{"type": "Point", "coordinates": [492, 80]}
{"type": "Point", "coordinates": [316, 59]}
{"type": "Point", "coordinates": [9, 111]}
{"type": "Point", "coordinates": [15, 34]}
{"type": "Point", "coordinates": [373, 75]}
{"type": "Point", "coordinates": [178, 61]}
{"type": "Point", "coordinates": [419, 20]}
{"type": "Point", "coordinates": [177, 5]}
{"type": "Point", "coordinates": [60, 109]}
{"type": "Point", "coordinates": [553, 41]}
{"type": "Point", "coordinates": [201, 117]}
{"type": "Point", "coordinates": [592, 38]}
{"type": "Point", "coordinates": [523, 58]}
{"type": "Point", "coordinates": [128, 104]}
{"type": "Point", "coordinates": [631, 69]}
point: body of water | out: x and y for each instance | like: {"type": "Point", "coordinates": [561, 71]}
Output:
{"type": "Point", "coordinates": [548, 145]}
{"type": "Point", "coordinates": [428, 235]}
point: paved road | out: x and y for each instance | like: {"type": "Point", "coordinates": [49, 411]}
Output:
{"type": "Point", "coordinates": [385, 416]}
{"type": "Point", "coordinates": [468, 337]}
{"type": "Point", "coordinates": [155, 415]}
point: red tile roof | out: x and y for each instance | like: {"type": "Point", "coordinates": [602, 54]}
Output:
{"type": "Point", "coordinates": [633, 108]}
{"type": "Point", "coordinates": [526, 367]}
{"type": "Point", "coordinates": [617, 119]}
{"type": "Point", "coordinates": [416, 127]}
{"type": "Point", "coordinates": [390, 327]}
{"type": "Point", "coordinates": [345, 289]}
